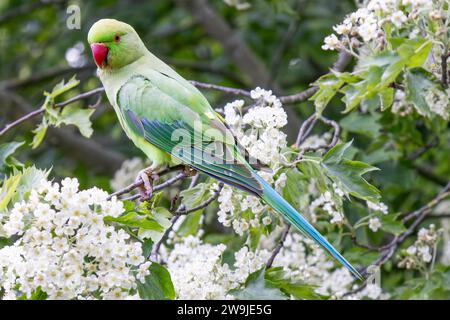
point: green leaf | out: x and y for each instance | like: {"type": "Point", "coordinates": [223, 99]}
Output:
{"type": "Point", "coordinates": [158, 284]}
{"type": "Point", "coordinates": [352, 96]}
{"type": "Point", "coordinates": [417, 85]}
{"type": "Point", "coordinates": [133, 219]}
{"type": "Point", "coordinates": [414, 51]}
{"type": "Point", "coordinates": [30, 178]}
{"type": "Point", "coordinates": [194, 196]}
{"type": "Point", "coordinates": [277, 277]}
{"type": "Point", "coordinates": [295, 190]}
{"type": "Point", "coordinates": [77, 117]}
{"type": "Point", "coordinates": [190, 198]}
{"type": "Point", "coordinates": [39, 134]}
{"type": "Point", "coordinates": [386, 97]}
{"type": "Point", "coordinates": [162, 216]}
{"type": "Point", "coordinates": [6, 151]}
{"type": "Point", "coordinates": [8, 190]}
{"type": "Point", "coordinates": [257, 288]}
{"type": "Point", "coordinates": [335, 154]}
{"type": "Point", "coordinates": [329, 85]}
{"type": "Point", "coordinates": [37, 294]}
{"type": "Point", "coordinates": [349, 173]}
{"type": "Point", "coordinates": [62, 87]}
{"type": "Point", "coordinates": [190, 224]}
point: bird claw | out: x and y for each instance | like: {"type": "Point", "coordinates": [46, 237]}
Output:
{"type": "Point", "coordinates": [147, 176]}
{"type": "Point", "coordinates": [189, 172]}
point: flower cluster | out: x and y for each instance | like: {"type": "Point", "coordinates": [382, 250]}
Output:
{"type": "Point", "coordinates": [65, 249]}
{"type": "Point", "coordinates": [374, 221]}
{"type": "Point", "coordinates": [198, 272]}
{"type": "Point", "coordinates": [365, 26]}
{"type": "Point", "coordinates": [258, 131]}
{"type": "Point", "coordinates": [328, 204]}
{"type": "Point", "coordinates": [421, 253]}
{"type": "Point", "coordinates": [439, 102]}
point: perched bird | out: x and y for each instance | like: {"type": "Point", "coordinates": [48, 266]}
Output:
{"type": "Point", "coordinates": [170, 120]}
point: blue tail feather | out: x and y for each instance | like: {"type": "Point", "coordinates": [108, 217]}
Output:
{"type": "Point", "coordinates": [289, 213]}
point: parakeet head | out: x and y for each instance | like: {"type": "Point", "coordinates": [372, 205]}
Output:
{"type": "Point", "coordinates": [114, 44]}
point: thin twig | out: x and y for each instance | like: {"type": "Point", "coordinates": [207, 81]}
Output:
{"type": "Point", "coordinates": [235, 91]}
{"type": "Point", "coordinates": [444, 78]}
{"type": "Point", "coordinates": [204, 204]}
{"type": "Point", "coordinates": [341, 63]}
{"type": "Point", "coordinates": [387, 251]}
{"type": "Point", "coordinates": [39, 111]}
{"type": "Point", "coordinates": [161, 186]}
{"type": "Point", "coordinates": [155, 250]}
{"type": "Point", "coordinates": [26, 117]}
{"type": "Point", "coordinates": [278, 247]}
{"type": "Point", "coordinates": [305, 129]}
{"type": "Point", "coordinates": [139, 182]}
{"type": "Point", "coordinates": [336, 132]}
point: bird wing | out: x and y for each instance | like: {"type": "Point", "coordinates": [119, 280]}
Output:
{"type": "Point", "coordinates": [175, 119]}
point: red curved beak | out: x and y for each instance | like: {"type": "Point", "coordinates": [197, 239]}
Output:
{"type": "Point", "coordinates": [99, 52]}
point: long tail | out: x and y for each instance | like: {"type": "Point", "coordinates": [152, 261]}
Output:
{"type": "Point", "coordinates": [272, 198]}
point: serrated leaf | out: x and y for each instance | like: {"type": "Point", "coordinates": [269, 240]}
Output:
{"type": "Point", "coordinates": [39, 134]}
{"type": "Point", "coordinates": [257, 288]}
{"type": "Point", "coordinates": [6, 151]}
{"type": "Point", "coordinates": [277, 277]}
{"type": "Point", "coordinates": [72, 115]}
{"type": "Point", "coordinates": [63, 87]}
{"type": "Point", "coordinates": [328, 87]}
{"type": "Point", "coordinates": [162, 216]}
{"type": "Point", "coordinates": [8, 189]}
{"type": "Point", "coordinates": [335, 154]}
{"type": "Point", "coordinates": [295, 190]}
{"type": "Point", "coordinates": [158, 284]}
{"type": "Point", "coordinates": [194, 196]}
{"type": "Point", "coordinates": [417, 84]}
{"type": "Point", "coordinates": [386, 97]}
{"type": "Point", "coordinates": [348, 173]}
{"type": "Point", "coordinates": [133, 219]}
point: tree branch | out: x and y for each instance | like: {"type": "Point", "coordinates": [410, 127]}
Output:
{"type": "Point", "coordinates": [100, 158]}
{"type": "Point", "coordinates": [342, 62]}
{"type": "Point", "coordinates": [39, 111]}
{"type": "Point", "coordinates": [279, 246]}
{"type": "Point", "coordinates": [387, 251]}
{"type": "Point", "coordinates": [204, 204]}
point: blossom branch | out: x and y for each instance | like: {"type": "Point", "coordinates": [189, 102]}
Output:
{"type": "Point", "coordinates": [419, 215]}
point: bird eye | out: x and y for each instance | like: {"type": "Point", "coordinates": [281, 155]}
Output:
{"type": "Point", "coordinates": [116, 38]}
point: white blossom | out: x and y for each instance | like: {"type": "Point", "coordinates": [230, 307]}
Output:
{"type": "Point", "coordinates": [66, 249]}
{"type": "Point", "coordinates": [374, 224]}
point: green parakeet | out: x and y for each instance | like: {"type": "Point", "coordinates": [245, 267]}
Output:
{"type": "Point", "coordinates": [170, 120]}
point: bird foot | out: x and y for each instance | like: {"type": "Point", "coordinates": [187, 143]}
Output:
{"type": "Point", "coordinates": [189, 172]}
{"type": "Point", "coordinates": [148, 177]}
